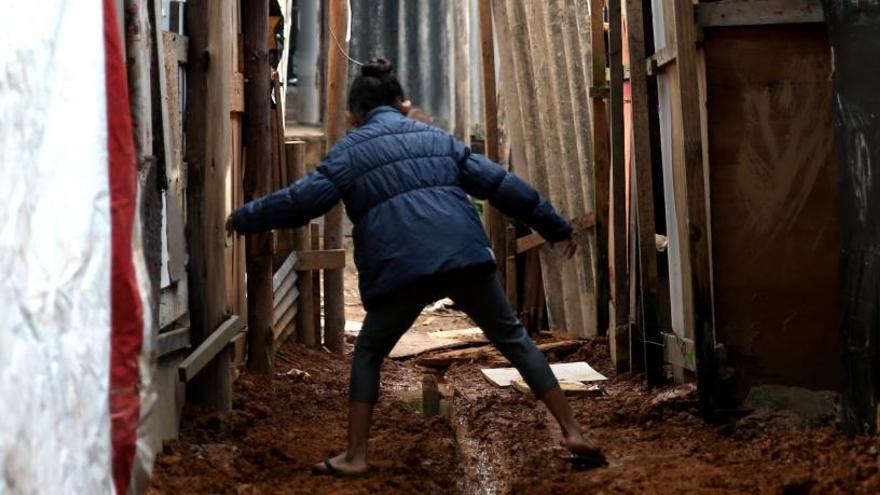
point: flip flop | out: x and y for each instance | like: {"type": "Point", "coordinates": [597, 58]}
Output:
{"type": "Point", "coordinates": [583, 462]}
{"type": "Point", "coordinates": [330, 470]}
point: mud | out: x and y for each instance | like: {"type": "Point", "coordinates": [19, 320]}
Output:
{"type": "Point", "coordinates": [499, 441]}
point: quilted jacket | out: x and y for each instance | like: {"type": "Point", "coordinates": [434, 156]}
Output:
{"type": "Point", "coordinates": [405, 186]}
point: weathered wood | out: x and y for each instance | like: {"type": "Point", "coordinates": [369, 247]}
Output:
{"type": "Point", "coordinates": [516, 49]}
{"type": "Point", "coordinates": [495, 221]}
{"type": "Point", "coordinates": [533, 240]}
{"type": "Point", "coordinates": [257, 182]}
{"type": "Point", "coordinates": [461, 67]}
{"type": "Point", "coordinates": [601, 146]}
{"type": "Point", "coordinates": [305, 322]}
{"type": "Point", "coordinates": [551, 111]}
{"type": "Point", "coordinates": [619, 277]}
{"type": "Point", "coordinates": [698, 226]}
{"type": "Point", "coordinates": [236, 96]}
{"type": "Point", "coordinates": [172, 341]}
{"type": "Point", "coordinates": [207, 152]}
{"type": "Point", "coordinates": [758, 12]}
{"type": "Point", "coordinates": [446, 359]}
{"type": "Point", "coordinates": [337, 79]}
{"type": "Point", "coordinates": [328, 259]}
{"type": "Point", "coordinates": [660, 59]}
{"type": "Point", "coordinates": [642, 160]}
{"type": "Point", "coordinates": [173, 303]}
{"type": "Point", "coordinates": [175, 172]}
{"type": "Point", "coordinates": [210, 348]}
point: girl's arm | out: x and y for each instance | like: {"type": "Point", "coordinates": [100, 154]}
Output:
{"type": "Point", "coordinates": [484, 179]}
{"type": "Point", "coordinates": [291, 207]}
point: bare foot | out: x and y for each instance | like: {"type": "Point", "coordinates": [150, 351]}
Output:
{"type": "Point", "coordinates": [578, 445]}
{"type": "Point", "coordinates": [341, 466]}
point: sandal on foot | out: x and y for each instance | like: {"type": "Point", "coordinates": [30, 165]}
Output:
{"type": "Point", "coordinates": [330, 470]}
{"type": "Point", "coordinates": [583, 462]}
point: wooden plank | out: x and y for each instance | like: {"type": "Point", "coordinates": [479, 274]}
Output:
{"type": "Point", "coordinates": [695, 207]}
{"type": "Point", "coordinates": [283, 307]}
{"type": "Point", "coordinates": [644, 196]}
{"type": "Point", "coordinates": [173, 303]}
{"type": "Point", "coordinates": [169, 87]}
{"type": "Point", "coordinates": [553, 118]}
{"type": "Point", "coordinates": [257, 183]}
{"type": "Point", "coordinates": [618, 273]}
{"type": "Point", "coordinates": [236, 93]}
{"type": "Point", "coordinates": [660, 59]}
{"type": "Point", "coordinates": [305, 322]}
{"type": "Point", "coordinates": [284, 270]}
{"type": "Point", "coordinates": [317, 307]}
{"type": "Point", "coordinates": [446, 359]}
{"type": "Point", "coordinates": [207, 158]}
{"type": "Point", "coordinates": [337, 78]}
{"type": "Point", "coordinates": [172, 341]}
{"type": "Point", "coordinates": [533, 240]}
{"type": "Point", "coordinates": [496, 224]}
{"type": "Point", "coordinates": [576, 389]}
{"type": "Point", "coordinates": [758, 12]}
{"type": "Point", "coordinates": [328, 259]}
{"type": "Point", "coordinates": [209, 348]}
{"type": "Point", "coordinates": [595, 46]}
{"type": "Point", "coordinates": [516, 45]}
{"type": "Point", "coordinates": [576, 372]}
{"type": "Point", "coordinates": [775, 246]}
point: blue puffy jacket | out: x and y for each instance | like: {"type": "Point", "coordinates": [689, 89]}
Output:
{"type": "Point", "coordinates": [405, 186]}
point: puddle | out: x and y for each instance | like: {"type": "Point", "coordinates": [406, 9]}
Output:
{"type": "Point", "coordinates": [413, 398]}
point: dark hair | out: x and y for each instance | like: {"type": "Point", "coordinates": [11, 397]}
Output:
{"type": "Point", "coordinates": [375, 86]}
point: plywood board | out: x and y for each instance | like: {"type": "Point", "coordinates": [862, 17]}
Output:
{"type": "Point", "coordinates": [578, 371]}
{"type": "Point", "coordinates": [415, 343]}
{"type": "Point", "coordinates": [773, 204]}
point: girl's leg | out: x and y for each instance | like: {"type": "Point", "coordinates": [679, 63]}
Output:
{"type": "Point", "coordinates": [483, 299]}
{"type": "Point", "coordinates": [383, 327]}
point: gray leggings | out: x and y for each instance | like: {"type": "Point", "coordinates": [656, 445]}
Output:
{"type": "Point", "coordinates": [480, 295]}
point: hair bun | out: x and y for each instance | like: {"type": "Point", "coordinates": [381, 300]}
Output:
{"type": "Point", "coordinates": [377, 67]}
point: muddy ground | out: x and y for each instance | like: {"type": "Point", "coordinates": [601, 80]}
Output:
{"type": "Point", "coordinates": [498, 441]}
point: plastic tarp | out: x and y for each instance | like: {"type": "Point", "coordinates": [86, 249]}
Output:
{"type": "Point", "coordinates": [74, 373]}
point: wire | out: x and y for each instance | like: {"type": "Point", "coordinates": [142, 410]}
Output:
{"type": "Point", "coordinates": [342, 50]}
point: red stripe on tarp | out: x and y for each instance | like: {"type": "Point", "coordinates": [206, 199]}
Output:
{"type": "Point", "coordinates": [126, 313]}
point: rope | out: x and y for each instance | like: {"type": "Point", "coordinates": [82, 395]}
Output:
{"type": "Point", "coordinates": [342, 50]}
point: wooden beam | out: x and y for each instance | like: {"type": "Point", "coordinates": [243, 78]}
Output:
{"type": "Point", "coordinates": [207, 152]}
{"type": "Point", "coordinates": [462, 69]}
{"type": "Point", "coordinates": [257, 182]}
{"type": "Point", "coordinates": [661, 58]}
{"type": "Point", "coordinates": [685, 31]}
{"type": "Point", "coordinates": [758, 12]}
{"type": "Point", "coordinates": [337, 83]}
{"type": "Point", "coordinates": [317, 307]}
{"type": "Point", "coordinates": [209, 348]}
{"type": "Point", "coordinates": [329, 259]}
{"type": "Point", "coordinates": [601, 149]}
{"type": "Point", "coordinates": [495, 222]}
{"type": "Point", "coordinates": [305, 322]}
{"type": "Point", "coordinates": [172, 341]}
{"type": "Point", "coordinates": [618, 273]}
{"type": "Point", "coordinates": [533, 240]}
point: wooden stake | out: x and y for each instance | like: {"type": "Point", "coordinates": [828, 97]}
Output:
{"type": "Point", "coordinates": [315, 236]}
{"type": "Point", "coordinates": [337, 83]}
{"type": "Point", "coordinates": [305, 321]}
{"type": "Point", "coordinates": [207, 151]}
{"type": "Point", "coordinates": [698, 235]}
{"type": "Point", "coordinates": [601, 145]}
{"type": "Point", "coordinates": [496, 223]}
{"type": "Point", "coordinates": [645, 193]}
{"type": "Point", "coordinates": [257, 180]}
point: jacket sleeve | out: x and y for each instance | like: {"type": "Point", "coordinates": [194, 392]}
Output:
{"type": "Point", "coordinates": [291, 207]}
{"type": "Point", "coordinates": [484, 179]}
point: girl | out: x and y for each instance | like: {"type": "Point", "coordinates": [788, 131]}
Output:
{"type": "Point", "coordinates": [417, 239]}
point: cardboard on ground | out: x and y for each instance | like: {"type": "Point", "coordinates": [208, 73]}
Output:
{"type": "Point", "coordinates": [578, 371]}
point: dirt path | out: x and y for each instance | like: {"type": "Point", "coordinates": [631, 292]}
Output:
{"type": "Point", "coordinates": [497, 441]}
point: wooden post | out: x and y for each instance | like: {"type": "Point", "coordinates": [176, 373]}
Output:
{"type": "Point", "coordinates": [601, 146]}
{"type": "Point", "coordinates": [495, 221]}
{"type": "Point", "coordinates": [257, 178]}
{"type": "Point", "coordinates": [337, 83]}
{"type": "Point", "coordinates": [305, 322]}
{"type": "Point", "coordinates": [315, 237]}
{"type": "Point", "coordinates": [461, 59]}
{"type": "Point", "coordinates": [619, 324]}
{"type": "Point", "coordinates": [207, 152]}
{"type": "Point", "coordinates": [644, 179]}
{"type": "Point", "coordinates": [698, 235]}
